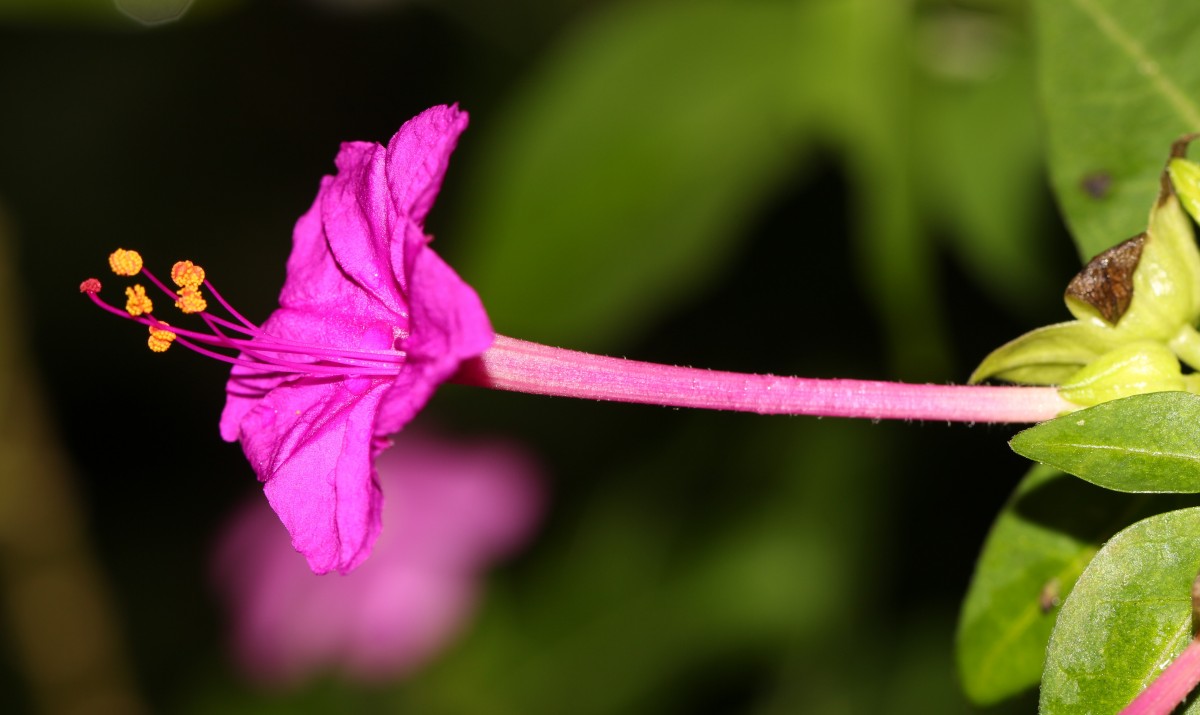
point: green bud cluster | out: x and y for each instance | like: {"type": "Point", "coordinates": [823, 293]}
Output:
{"type": "Point", "coordinates": [1136, 307]}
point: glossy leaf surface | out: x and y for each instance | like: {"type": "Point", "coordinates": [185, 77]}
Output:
{"type": "Point", "coordinates": [1129, 615]}
{"type": "Point", "coordinates": [1145, 443]}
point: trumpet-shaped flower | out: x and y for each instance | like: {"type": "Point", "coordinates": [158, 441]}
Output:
{"type": "Point", "coordinates": [360, 277]}
{"type": "Point", "coordinates": [370, 321]}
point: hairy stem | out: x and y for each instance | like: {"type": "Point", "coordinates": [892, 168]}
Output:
{"type": "Point", "coordinates": [522, 366]}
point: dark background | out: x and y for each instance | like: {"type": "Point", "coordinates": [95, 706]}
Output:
{"type": "Point", "coordinates": [689, 562]}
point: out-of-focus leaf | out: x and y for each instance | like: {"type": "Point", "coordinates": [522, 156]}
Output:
{"type": "Point", "coordinates": [1039, 545]}
{"type": "Point", "coordinates": [1144, 443]}
{"type": "Point", "coordinates": [1130, 613]}
{"type": "Point", "coordinates": [619, 178]}
{"type": "Point", "coordinates": [979, 171]}
{"type": "Point", "coordinates": [1120, 81]}
{"type": "Point", "coordinates": [864, 104]}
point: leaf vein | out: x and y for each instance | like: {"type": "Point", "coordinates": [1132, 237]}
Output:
{"type": "Point", "coordinates": [1142, 60]}
{"type": "Point", "coordinates": [1182, 456]}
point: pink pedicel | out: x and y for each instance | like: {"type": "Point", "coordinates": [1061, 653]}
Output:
{"type": "Point", "coordinates": [1171, 686]}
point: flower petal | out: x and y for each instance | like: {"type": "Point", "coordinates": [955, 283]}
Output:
{"type": "Point", "coordinates": [370, 218]}
{"type": "Point", "coordinates": [417, 157]}
{"type": "Point", "coordinates": [340, 256]}
{"type": "Point", "coordinates": [311, 442]}
{"type": "Point", "coordinates": [448, 324]}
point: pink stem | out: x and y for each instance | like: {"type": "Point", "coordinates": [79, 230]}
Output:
{"type": "Point", "coordinates": [521, 366]}
{"type": "Point", "coordinates": [1171, 686]}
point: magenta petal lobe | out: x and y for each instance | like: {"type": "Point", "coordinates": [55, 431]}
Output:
{"type": "Point", "coordinates": [310, 443]}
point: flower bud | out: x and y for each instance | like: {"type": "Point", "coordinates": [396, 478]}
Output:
{"type": "Point", "coordinates": [1147, 287]}
{"type": "Point", "coordinates": [1132, 369]}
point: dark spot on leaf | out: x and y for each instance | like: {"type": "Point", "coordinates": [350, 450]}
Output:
{"type": "Point", "coordinates": [1106, 282]}
{"type": "Point", "coordinates": [1051, 596]}
{"type": "Point", "coordinates": [1096, 184]}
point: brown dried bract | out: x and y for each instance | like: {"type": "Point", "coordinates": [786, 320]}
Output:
{"type": "Point", "coordinates": [1178, 151]}
{"type": "Point", "coordinates": [1106, 282]}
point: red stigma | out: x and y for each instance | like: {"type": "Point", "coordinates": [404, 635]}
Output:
{"type": "Point", "coordinates": [91, 285]}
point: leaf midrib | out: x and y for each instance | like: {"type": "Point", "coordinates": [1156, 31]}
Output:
{"type": "Point", "coordinates": [1142, 61]}
{"type": "Point", "coordinates": [1142, 451]}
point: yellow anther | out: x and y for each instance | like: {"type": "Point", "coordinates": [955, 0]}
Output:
{"type": "Point", "coordinates": [190, 301]}
{"type": "Point", "coordinates": [125, 263]}
{"type": "Point", "coordinates": [187, 275]}
{"type": "Point", "coordinates": [138, 302]}
{"type": "Point", "coordinates": [160, 339]}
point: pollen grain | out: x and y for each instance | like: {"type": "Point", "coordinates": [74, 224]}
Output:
{"type": "Point", "coordinates": [138, 302]}
{"type": "Point", "coordinates": [187, 275]}
{"type": "Point", "coordinates": [160, 339]}
{"type": "Point", "coordinates": [125, 263]}
{"type": "Point", "coordinates": [191, 301]}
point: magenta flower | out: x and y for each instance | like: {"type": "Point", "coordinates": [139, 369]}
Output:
{"type": "Point", "coordinates": [371, 321]}
{"type": "Point", "coordinates": [360, 277]}
{"type": "Point", "coordinates": [452, 510]}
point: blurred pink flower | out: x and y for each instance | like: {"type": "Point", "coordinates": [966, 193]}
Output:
{"type": "Point", "coordinates": [452, 510]}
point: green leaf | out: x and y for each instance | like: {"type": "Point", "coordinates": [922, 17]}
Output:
{"type": "Point", "coordinates": [1129, 615]}
{"type": "Point", "coordinates": [867, 109]}
{"type": "Point", "coordinates": [620, 178]}
{"type": "Point", "coordinates": [1120, 81]}
{"type": "Point", "coordinates": [1034, 553]}
{"type": "Point", "coordinates": [1144, 443]}
{"type": "Point", "coordinates": [1047, 355]}
{"type": "Point", "coordinates": [978, 80]}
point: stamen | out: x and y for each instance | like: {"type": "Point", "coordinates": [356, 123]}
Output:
{"type": "Point", "coordinates": [125, 263]}
{"type": "Point", "coordinates": [191, 301]}
{"type": "Point", "coordinates": [138, 302]}
{"type": "Point", "coordinates": [265, 353]}
{"type": "Point", "coordinates": [160, 339]}
{"type": "Point", "coordinates": [187, 275]}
